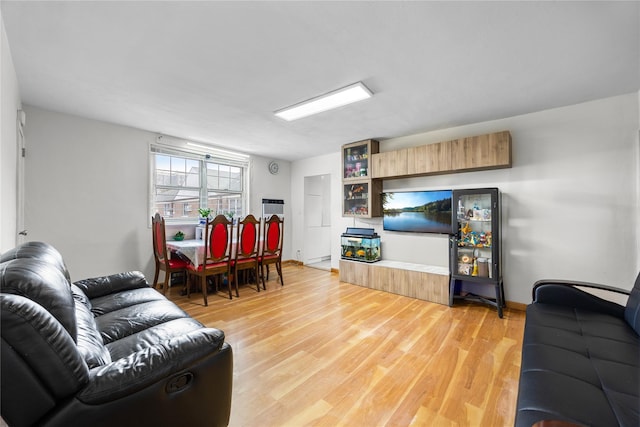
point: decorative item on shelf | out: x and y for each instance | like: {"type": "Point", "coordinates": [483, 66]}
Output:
{"type": "Point", "coordinates": [474, 272]}
{"type": "Point", "coordinates": [466, 229]}
{"type": "Point", "coordinates": [178, 236]}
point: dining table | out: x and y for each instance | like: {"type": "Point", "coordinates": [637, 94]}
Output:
{"type": "Point", "coordinates": [193, 249]}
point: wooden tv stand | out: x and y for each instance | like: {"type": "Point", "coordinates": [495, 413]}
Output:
{"type": "Point", "coordinates": [425, 282]}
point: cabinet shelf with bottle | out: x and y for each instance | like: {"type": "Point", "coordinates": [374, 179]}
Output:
{"type": "Point", "coordinates": [356, 159]}
{"type": "Point", "coordinates": [476, 271]}
{"type": "Point", "coordinates": [362, 198]}
{"type": "Point", "coordinates": [361, 193]}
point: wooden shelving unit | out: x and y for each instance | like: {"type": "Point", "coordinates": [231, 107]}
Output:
{"type": "Point", "coordinates": [419, 281]}
{"type": "Point", "coordinates": [360, 193]}
{"type": "Point", "coordinates": [482, 152]}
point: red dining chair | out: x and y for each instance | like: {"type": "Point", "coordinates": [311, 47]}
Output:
{"type": "Point", "coordinates": [272, 247]}
{"type": "Point", "coordinates": [163, 261]}
{"type": "Point", "coordinates": [217, 254]}
{"type": "Point", "coordinates": [247, 249]}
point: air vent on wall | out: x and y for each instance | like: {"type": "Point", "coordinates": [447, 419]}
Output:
{"type": "Point", "coordinates": [272, 207]}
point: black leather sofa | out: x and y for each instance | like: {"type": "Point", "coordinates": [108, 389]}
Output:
{"type": "Point", "coordinates": [580, 357]}
{"type": "Point", "coordinates": [108, 351]}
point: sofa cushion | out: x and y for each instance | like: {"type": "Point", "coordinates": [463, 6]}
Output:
{"type": "Point", "coordinates": [632, 309]}
{"type": "Point", "coordinates": [123, 299]}
{"type": "Point", "coordinates": [578, 366]}
{"type": "Point", "coordinates": [126, 321]}
{"type": "Point", "coordinates": [154, 335]}
{"type": "Point", "coordinates": [44, 284]}
{"type": "Point", "coordinates": [40, 250]}
{"type": "Point", "coordinates": [90, 342]}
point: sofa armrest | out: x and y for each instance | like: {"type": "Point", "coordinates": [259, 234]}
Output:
{"type": "Point", "coordinates": [151, 365]}
{"type": "Point", "coordinates": [106, 285]}
{"type": "Point", "coordinates": [567, 293]}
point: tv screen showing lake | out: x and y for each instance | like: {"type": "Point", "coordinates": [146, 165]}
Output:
{"type": "Point", "coordinates": [417, 211]}
{"type": "Point", "coordinates": [421, 222]}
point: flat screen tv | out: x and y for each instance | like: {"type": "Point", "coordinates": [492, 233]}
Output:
{"type": "Point", "coordinates": [417, 211]}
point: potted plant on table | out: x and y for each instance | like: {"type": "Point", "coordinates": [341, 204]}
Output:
{"type": "Point", "coordinates": [178, 236]}
{"type": "Point", "coordinates": [204, 215]}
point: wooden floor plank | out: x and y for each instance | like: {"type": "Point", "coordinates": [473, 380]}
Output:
{"type": "Point", "coordinates": [319, 352]}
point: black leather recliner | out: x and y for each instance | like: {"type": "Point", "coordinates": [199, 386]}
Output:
{"type": "Point", "coordinates": [580, 357]}
{"type": "Point", "coordinates": [108, 351]}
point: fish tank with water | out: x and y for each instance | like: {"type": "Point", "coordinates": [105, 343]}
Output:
{"type": "Point", "coordinates": [360, 244]}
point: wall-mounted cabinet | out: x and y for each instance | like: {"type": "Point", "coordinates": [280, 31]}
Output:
{"type": "Point", "coordinates": [430, 159]}
{"type": "Point", "coordinates": [390, 163]}
{"type": "Point", "coordinates": [360, 192]}
{"type": "Point", "coordinates": [490, 151]}
{"type": "Point", "coordinates": [356, 160]}
{"type": "Point", "coordinates": [362, 198]}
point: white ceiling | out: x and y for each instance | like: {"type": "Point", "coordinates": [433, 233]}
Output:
{"type": "Point", "coordinates": [216, 71]}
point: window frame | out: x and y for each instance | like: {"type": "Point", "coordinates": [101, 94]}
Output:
{"type": "Point", "coordinates": [203, 189]}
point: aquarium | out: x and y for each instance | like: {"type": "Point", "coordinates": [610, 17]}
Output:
{"type": "Point", "coordinates": [360, 244]}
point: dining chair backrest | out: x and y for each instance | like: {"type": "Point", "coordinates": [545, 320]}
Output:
{"type": "Point", "coordinates": [273, 231]}
{"type": "Point", "coordinates": [217, 245]}
{"type": "Point", "coordinates": [248, 237]}
{"type": "Point", "coordinates": [159, 238]}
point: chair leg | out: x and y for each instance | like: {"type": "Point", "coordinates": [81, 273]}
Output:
{"type": "Point", "coordinates": [229, 279]}
{"type": "Point", "coordinates": [257, 283]}
{"type": "Point", "coordinates": [155, 277]}
{"type": "Point", "coordinates": [262, 275]}
{"type": "Point", "coordinates": [189, 287]}
{"type": "Point", "coordinates": [235, 281]}
{"type": "Point", "coordinates": [258, 279]}
{"type": "Point", "coordinates": [204, 289]}
{"type": "Point", "coordinates": [165, 285]}
{"type": "Point", "coordinates": [279, 268]}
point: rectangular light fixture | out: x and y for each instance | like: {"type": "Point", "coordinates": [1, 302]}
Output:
{"type": "Point", "coordinates": [337, 98]}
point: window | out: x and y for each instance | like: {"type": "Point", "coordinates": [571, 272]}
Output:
{"type": "Point", "coordinates": [183, 182]}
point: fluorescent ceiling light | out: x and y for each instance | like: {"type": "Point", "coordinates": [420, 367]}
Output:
{"type": "Point", "coordinates": [219, 151]}
{"type": "Point", "coordinates": [347, 95]}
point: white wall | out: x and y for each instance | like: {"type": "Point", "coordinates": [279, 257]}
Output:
{"type": "Point", "coordinates": [87, 187]}
{"type": "Point", "coordinates": [9, 105]}
{"type": "Point", "coordinates": [570, 201]}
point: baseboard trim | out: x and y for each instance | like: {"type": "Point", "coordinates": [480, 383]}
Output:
{"type": "Point", "coordinates": [516, 306]}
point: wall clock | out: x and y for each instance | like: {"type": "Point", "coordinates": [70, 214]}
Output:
{"type": "Point", "coordinates": [273, 168]}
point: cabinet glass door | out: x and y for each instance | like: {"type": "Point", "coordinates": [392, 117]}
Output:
{"type": "Point", "coordinates": [475, 248]}
{"type": "Point", "coordinates": [356, 161]}
{"type": "Point", "coordinates": [474, 254]}
{"type": "Point", "coordinates": [356, 199]}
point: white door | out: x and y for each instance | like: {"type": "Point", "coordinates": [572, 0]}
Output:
{"type": "Point", "coordinates": [20, 225]}
{"type": "Point", "coordinates": [317, 219]}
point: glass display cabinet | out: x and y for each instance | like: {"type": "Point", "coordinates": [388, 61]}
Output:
{"type": "Point", "coordinates": [361, 193]}
{"type": "Point", "coordinates": [361, 198]}
{"type": "Point", "coordinates": [356, 159]}
{"type": "Point", "coordinates": [360, 244]}
{"type": "Point", "coordinates": [475, 263]}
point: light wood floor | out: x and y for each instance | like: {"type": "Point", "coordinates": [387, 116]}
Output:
{"type": "Point", "coordinates": [319, 352]}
